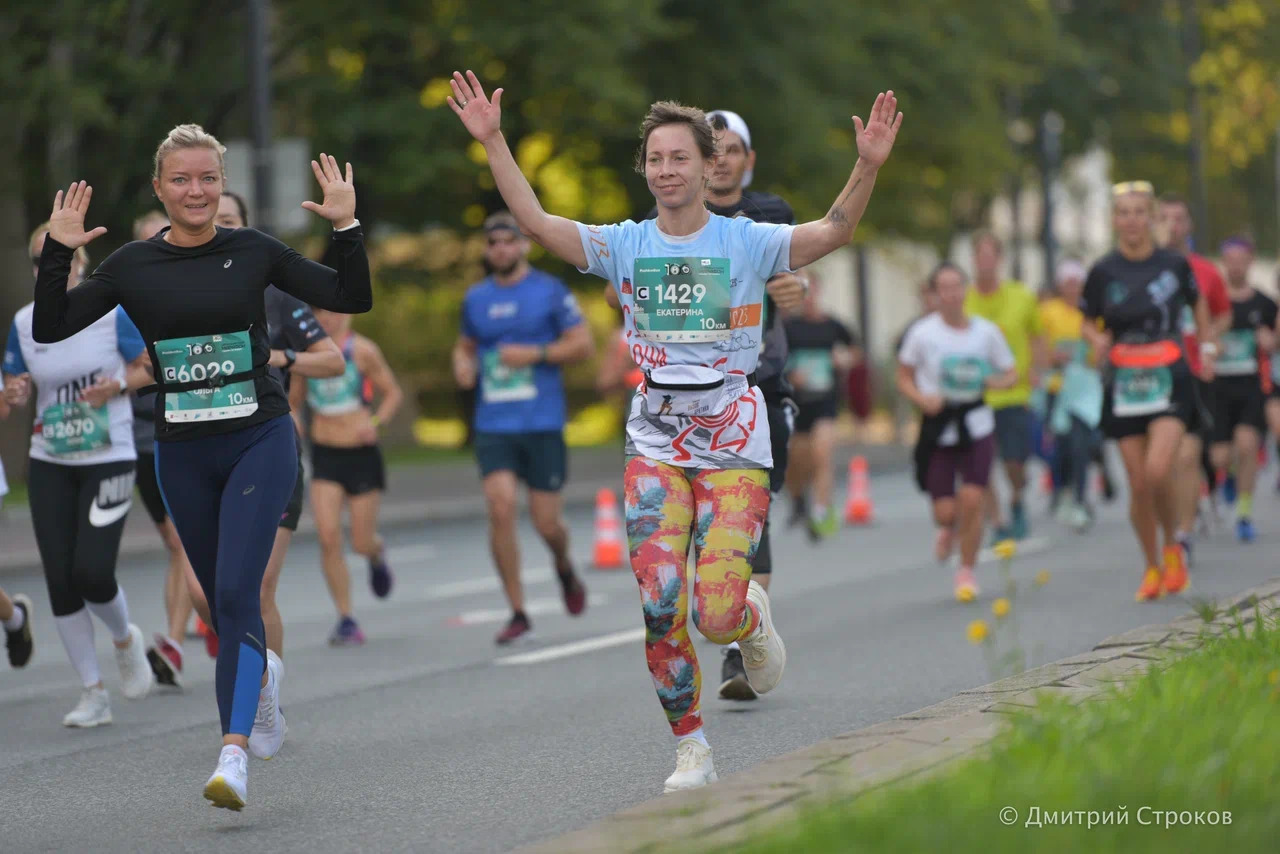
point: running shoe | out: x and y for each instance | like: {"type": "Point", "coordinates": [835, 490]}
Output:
{"type": "Point", "coordinates": [166, 661]}
{"type": "Point", "coordinates": [518, 628]}
{"type": "Point", "coordinates": [1000, 533]}
{"type": "Point", "coordinates": [1175, 570]}
{"type": "Point", "coordinates": [380, 577]}
{"type": "Point", "coordinates": [1188, 552]}
{"type": "Point", "coordinates": [1152, 587]}
{"type": "Point", "coordinates": [574, 593]}
{"type": "Point", "coordinates": [94, 709]}
{"type": "Point", "coordinates": [210, 637]}
{"type": "Point", "coordinates": [1229, 489]}
{"type": "Point", "coordinates": [694, 768]}
{"type": "Point", "coordinates": [1081, 518]}
{"type": "Point", "coordinates": [228, 788]}
{"type": "Point", "coordinates": [135, 671]}
{"type": "Point", "coordinates": [764, 655]}
{"type": "Point", "coordinates": [19, 643]}
{"type": "Point", "coordinates": [733, 678]}
{"type": "Point", "coordinates": [966, 586]}
{"type": "Point", "coordinates": [1018, 527]}
{"type": "Point", "coordinates": [1244, 530]}
{"type": "Point", "coordinates": [269, 728]}
{"type": "Point", "coordinates": [346, 633]}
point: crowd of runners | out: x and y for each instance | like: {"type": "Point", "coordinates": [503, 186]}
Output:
{"type": "Point", "coordinates": [201, 360]}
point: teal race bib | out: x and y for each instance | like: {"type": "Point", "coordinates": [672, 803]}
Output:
{"type": "Point", "coordinates": [962, 378]}
{"type": "Point", "coordinates": [682, 300]}
{"type": "Point", "coordinates": [201, 358]}
{"type": "Point", "coordinates": [336, 395]}
{"type": "Point", "coordinates": [1239, 353]}
{"type": "Point", "coordinates": [503, 384]}
{"type": "Point", "coordinates": [75, 428]}
{"type": "Point", "coordinates": [1142, 391]}
{"type": "Point", "coordinates": [817, 367]}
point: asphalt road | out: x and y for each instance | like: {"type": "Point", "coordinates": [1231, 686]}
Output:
{"type": "Point", "coordinates": [429, 738]}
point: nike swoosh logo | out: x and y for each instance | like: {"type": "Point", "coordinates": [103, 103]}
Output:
{"type": "Point", "coordinates": [102, 517]}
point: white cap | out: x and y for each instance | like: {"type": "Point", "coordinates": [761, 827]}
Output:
{"type": "Point", "coordinates": [1069, 268]}
{"type": "Point", "coordinates": [734, 122]}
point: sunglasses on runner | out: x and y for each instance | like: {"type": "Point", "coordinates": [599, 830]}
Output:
{"type": "Point", "coordinates": [1126, 187]}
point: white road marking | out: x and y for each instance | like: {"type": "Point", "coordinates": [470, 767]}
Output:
{"type": "Point", "coordinates": [533, 607]}
{"type": "Point", "coordinates": [471, 586]}
{"type": "Point", "coordinates": [576, 648]}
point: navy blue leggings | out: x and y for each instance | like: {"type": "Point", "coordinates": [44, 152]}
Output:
{"type": "Point", "coordinates": [225, 495]}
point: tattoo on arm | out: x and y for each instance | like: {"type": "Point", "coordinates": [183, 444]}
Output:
{"type": "Point", "coordinates": [837, 215]}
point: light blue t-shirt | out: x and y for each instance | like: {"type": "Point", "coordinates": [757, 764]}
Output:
{"type": "Point", "coordinates": [694, 300]}
{"type": "Point", "coordinates": [538, 309]}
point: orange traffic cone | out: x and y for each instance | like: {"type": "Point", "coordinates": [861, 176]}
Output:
{"type": "Point", "coordinates": [608, 537]}
{"type": "Point", "coordinates": [857, 508]}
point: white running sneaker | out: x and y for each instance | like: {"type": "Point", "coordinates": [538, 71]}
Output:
{"type": "Point", "coordinates": [694, 768]}
{"type": "Point", "coordinates": [94, 709]}
{"type": "Point", "coordinates": [268, 731]}
{"type": "Point", "coordinates": [763, 653]}
{"type": "Point", "coordinates": [135, 671]}
{"type": "Point", "coordinates": [228, 788]}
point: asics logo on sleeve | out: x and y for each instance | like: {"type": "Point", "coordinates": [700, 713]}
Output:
{"type": "Point", "coordinates": [114, 498]}
{"type": "Point", "coordinates": [227, 265]}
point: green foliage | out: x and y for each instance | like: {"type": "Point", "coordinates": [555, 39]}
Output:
{"type": "Point", "coordinates": [1198, 735]}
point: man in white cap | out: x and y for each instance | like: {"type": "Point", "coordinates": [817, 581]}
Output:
{"type": "Point", "coordinates": [729, 197]}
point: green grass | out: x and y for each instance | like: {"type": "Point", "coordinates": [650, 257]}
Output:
{"type": "Point", "coordinates": [1203, 734]}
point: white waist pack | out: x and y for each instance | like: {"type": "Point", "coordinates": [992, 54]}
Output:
{"type": "Point", "coordinates": [692, 390]}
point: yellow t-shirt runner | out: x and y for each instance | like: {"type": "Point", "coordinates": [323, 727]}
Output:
{"type": "Point", "coordinates": [1013, 308]}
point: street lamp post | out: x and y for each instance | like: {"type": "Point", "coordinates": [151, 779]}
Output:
{"type": "Point", "coordinates": [260, 113]}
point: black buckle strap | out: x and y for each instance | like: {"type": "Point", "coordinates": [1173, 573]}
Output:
{"type": "Point", "coordinates": [210, 383]}
{"type": "Point", "coordinates": [650, 382]}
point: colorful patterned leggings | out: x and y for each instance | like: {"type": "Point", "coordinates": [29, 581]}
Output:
{"type": "Point", "coordinates": [662, 504]}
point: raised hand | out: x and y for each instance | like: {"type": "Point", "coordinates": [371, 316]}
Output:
{"type": "Point", "coordinates": [66, 222]}
{"type": "Point", "coordinates": [339, 204]}
{"type": "Point", "coordinates": [876, 138]}
{"type": "Point", "coordinates": [481, 116]}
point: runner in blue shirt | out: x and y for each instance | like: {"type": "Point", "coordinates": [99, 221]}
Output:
{"type": "Point", "coordinates": [519, 325]}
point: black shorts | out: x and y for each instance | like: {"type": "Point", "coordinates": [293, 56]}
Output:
{"type": "Point", "coordinates": [149, 489]}
{"type": "Point", "coordinates": [1013, 434]}
{"type": "Point", "coordinates": [293, 510]}
{"type": "Point", "coordinates": [1184, 404]}
{"type": "Point", "coordinates": [1238, 401]}
{"type": "Point", "coordinates": [539, 459]}
{"type": "Point", "coordinates": [779, 440]}
{"type": "Point", "coordinates": [812, 411]}
{"type": "Point", "coordinates": [356, 470]}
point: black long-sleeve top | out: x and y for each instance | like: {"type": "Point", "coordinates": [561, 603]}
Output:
{"type": "Point", "coordinates": [215, 288]}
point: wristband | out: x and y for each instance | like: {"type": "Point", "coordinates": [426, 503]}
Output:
{"type": "Point", "coordinates": [375, 420]}
{"type": "Point", "coordinates": [289, 358]}
{"type": "Point", "coordinates": [1208, 347]}
{"type": "Point", "coordinates": [542, 355]}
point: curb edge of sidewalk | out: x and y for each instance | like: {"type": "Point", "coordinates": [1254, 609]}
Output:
{"type": "Point", "coordinates": [917, 743]}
